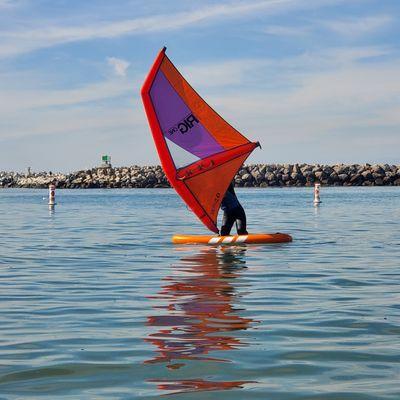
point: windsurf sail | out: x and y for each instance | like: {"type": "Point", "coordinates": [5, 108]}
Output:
{"type": "Point", "coordinates": [180, 119]}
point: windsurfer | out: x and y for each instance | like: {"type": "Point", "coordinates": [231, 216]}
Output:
{"type": "Point", "coordinates": [233, 211]}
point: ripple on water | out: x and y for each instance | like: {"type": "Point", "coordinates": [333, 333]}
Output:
{"type": "Point", "coordinates": [96, 303]}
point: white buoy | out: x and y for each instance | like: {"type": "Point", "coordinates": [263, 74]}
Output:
{"type": "Point", "coordinates": [317, 199]}
{"type": "Point", "coordinates": [52, 194]}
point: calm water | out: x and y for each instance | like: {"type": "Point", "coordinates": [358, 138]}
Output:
{"type": "Point", "coordinates": [96, 303]}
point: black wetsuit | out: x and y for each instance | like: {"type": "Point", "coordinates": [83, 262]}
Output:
{"type": "Point", "coordinates": [233, 211]}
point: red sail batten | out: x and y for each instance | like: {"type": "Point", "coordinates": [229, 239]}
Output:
{"type": "Point", "coordinates": [214, 161]}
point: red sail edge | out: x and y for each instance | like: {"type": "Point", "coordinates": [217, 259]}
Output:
{"type": "Point", "coordinates": [192, 183]}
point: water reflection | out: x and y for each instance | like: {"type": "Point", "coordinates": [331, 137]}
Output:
{"type": "Point", "coordinates": [200, 317]}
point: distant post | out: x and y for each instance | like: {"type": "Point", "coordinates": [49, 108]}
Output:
{"type": "Point", "coordinates": [317, 199]}
{"type": "Point", "coordinates": [52, 195]}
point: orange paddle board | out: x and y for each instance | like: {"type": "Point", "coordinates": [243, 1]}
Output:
{"type": "Point", "coordinates": [260, 238]}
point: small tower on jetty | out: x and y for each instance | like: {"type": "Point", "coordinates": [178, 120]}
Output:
{"type": "Point", "coordinates": [106, 161]}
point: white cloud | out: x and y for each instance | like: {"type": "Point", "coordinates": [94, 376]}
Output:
{"type": "Point", "coordinates": [334, 100]}
{"type": "Point", "coordinates": [6, 3]}
{"type": "Point", "coordinates": [27, 40]}
{"type": "Point", "coordinates": [17, 100]}
{"type": "Point", "coordinates": [284, 72]}
{"type": "Point", "coordinates": [280, 30]}
{"type": "Point", "coordinates": [340, 90]}
{"type": "Point", "coordinates": [324, 103]}
{"type": "Point", "coordinates": [358, 26]}
{"type": "Point", "coordinates": [389, 116]}
{"type": "Point", "coordinates": [80, 119]}
{"type": "Point", "coordinates": [342, 55]}
{"type": "Point", "coordinates": [349, 27]}
{"type": "Point", "coordinates": [225, 73]}
{"type": "Point", "coordinates": [120, 66]}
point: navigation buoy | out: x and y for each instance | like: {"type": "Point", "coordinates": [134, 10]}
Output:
{"type": "Point", "coordinates": [52, 195]}
{"type": "Point", "coordinates": [317, 199]}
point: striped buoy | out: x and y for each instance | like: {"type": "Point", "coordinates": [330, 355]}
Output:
{"type": "Point", "coordinates": [317, 199]}
{"type": "Point", "coordinates": [52, 194]}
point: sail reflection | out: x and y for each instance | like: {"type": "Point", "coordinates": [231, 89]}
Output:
{"type": "Point", "coordinates": [200, 317]}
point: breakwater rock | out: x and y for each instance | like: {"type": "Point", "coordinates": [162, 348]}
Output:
{"type": "Point", "coordinates": [253, 175]}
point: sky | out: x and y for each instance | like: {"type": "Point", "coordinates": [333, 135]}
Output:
{"type": "Point", "coordinates": [315, 81]}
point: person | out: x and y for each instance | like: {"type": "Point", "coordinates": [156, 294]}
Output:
{"type": "Point", "coordinates": [233, 212]}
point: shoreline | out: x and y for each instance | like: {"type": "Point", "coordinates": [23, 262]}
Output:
{"type": "Point", "coordinates": [250, 175]}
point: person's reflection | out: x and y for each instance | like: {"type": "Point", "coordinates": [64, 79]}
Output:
{"type": "Point", "coordinates": [201, 317]}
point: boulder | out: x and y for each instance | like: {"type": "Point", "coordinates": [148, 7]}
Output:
{"type": "Point", "coordinates": [247, 178]}
{"type": "Point", "coordinates": [343, 177]}
{"type": "Point", "coordinates": [377, 169]}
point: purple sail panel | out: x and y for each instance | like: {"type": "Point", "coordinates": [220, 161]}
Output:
{"type": "Point", "coordinates": [177, 121]}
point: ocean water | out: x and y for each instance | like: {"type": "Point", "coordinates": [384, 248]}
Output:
{"type": "Point", "coordinates": [96, 303]}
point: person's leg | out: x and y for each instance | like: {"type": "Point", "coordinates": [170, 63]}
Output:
{"type": "Point", "coordinates": [240, 221]}
{"type": "Point", "coordinates": [227, 222]}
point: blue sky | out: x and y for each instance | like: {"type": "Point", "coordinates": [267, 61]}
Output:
{"type": "Point", "coordinates": [312, 80]}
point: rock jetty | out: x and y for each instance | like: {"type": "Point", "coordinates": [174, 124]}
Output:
{"type": "Point", "coordinates": [254, 175]}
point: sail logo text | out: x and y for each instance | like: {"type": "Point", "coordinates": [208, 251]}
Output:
{"type": "Point", "coordinates": [184, 125]}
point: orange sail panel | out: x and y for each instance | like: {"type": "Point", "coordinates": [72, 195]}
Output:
{"type": "Point", "coordinates": [209, 187]}
{"type": "Point", "coordinates": [183, 124]}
